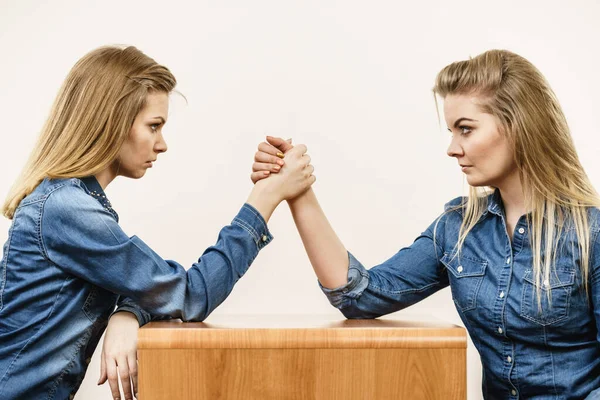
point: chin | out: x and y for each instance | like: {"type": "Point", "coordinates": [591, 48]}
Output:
{"type": "Point", "coordinates": [472, 181]}
{"type": "Point", "coordinates": [135, 174]}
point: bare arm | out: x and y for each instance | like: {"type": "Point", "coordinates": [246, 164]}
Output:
{"type": "Point", "coordinates": [326, 252]}
{"type": "Point", "coordinates": [409, 276]}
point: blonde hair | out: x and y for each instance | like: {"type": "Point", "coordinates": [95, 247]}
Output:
{"type": "Point", "coordinates": [91, 117]}
{"type": "Point", "coordinates": [556, 189]}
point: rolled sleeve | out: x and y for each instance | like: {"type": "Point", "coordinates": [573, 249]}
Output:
{"type": "Point", "coordinates": [358, 280]}
{"type": "Point", "coordinates": [126, 304]}
{"type": "Point", "coordinates": [250, 220]}
{"type": "Point", "coordinates": [412, 274]}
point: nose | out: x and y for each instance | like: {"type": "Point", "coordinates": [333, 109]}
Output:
{"type": "Point", "coordinates": [454, 149]}
{"type": "Point", "coordinates": [161, 145]}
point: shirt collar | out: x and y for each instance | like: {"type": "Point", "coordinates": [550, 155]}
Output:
{"type": "Point", "coordinates": [95, 190]}
{"type": "Point", "coordinates": [494, 203]}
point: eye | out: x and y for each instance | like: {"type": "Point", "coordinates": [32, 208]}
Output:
{"type": "Point", "coordinates": [154, 127]}
{"type": "Point", "coordinates": [464, 130]}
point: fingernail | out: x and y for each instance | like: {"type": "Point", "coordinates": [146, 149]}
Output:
{"type": "Point", "coordinates": [280, 162]}
{"type": "Point", "coordinates": [277, 167]}
{"type": "Point", "coordinates": [280, 155]}
{"type": "Point", "coordinates": [266, 172]}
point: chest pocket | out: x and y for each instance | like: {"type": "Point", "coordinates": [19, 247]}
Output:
{"type": "Point", "coordinates": [560, 286]}
{"type": "Point", "coordinates": [466, 275]}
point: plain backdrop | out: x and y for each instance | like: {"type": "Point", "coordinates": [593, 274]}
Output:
{"type": "Point", "coordinates": [351, 80]}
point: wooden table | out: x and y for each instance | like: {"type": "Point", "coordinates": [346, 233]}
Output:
{"type": "Point", "coordinates": [302, 357]}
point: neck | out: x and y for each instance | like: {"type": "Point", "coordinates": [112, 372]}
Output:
{"type": "Point", "coordinates": [511, 192]}
{"type": "Point", "coordinates": [106, 176]}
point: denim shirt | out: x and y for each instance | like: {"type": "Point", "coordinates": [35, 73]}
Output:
{"type": "Point", "coordinates": [67, 263]}
{"type": "Point", "coordinates": [526, 353]}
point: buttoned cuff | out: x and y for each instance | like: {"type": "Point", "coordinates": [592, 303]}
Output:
{"type": "Point", "coordinates": [142, 316]}
{"type": "Point", "coordinates": [358, 280]}
{"type": "Point", "coordinates": [252, 222]}
{"type": "Point", "coordinates": [126, 304]}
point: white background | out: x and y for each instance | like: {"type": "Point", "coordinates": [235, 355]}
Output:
{"type": "Point", "coordinates": [352, 80]}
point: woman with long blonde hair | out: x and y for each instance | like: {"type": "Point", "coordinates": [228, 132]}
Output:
{"type": "Point", "coordinates": [521, 253]}
{"type": "Point", "coordinates": [67, 263]}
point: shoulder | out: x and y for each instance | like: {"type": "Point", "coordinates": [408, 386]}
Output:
{"type": "Point", "coordinates": [451, 217]}
{"type": "Point", "coordinates": [67, 205]}
{"type": "Point", "coordinates": [456, 204]}
{"type": "Point", "coordinates": [594, 227]}
{"type": "Point", "coordinates": [71, 217]}
{"type": "Point", "coordinates": [46, 187]}
{"type": "Point", "coordinates": [594, 219]}
{"type": "Point", "coordinates": [68, 215]}
{"type": "Point", "coordinates": [454, 210]}
{"type": "Point", "coordinates": [59, 195]}
{"type": "Point", "coordinates": [66, 196]}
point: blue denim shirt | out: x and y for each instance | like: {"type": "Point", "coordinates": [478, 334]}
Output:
{"type": "Point", "coordinates": [67, 263]}
{"type": "Point", "coordinates": [525, 353]}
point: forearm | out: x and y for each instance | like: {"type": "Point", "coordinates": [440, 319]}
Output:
{"type": "Point", "coordinates": [326, 252]}
{"type": "Point", "coordinates": [263, 200]}
{"type": "Point", "coordinates": [212, 278]}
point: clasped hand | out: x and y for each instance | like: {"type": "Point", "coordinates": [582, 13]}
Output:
{"type": "Point", "coordinates": [295, 165]}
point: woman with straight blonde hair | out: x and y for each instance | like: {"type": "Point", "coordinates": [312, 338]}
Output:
{"type": "Point", "coordinates": [67, 263]}
{"type": "Point", "coordinates": [521, 253]}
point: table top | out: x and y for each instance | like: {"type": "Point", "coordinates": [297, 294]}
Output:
{"type": "Point", "coordinates": [301, 331]}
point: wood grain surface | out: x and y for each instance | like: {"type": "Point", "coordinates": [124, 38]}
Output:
{"type": "Point", "coordinates": [302, 357]}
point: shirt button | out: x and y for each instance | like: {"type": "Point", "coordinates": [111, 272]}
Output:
{"type": "Point", "coordinates": [264, 238]}
{"type": "Point", "coordinates": [508, 260]}
{"type": "Point", "coordinates": [513, 392]}
{"type": "Point", "coordinates": [459, 269]}
{"type": "Point", "coordinates": [501, 295]}
{"type": "Point", "coordinates": [521, 230]}
{"type": "Point", "coordinates": [500, 330]}
{"type": "Point", "coordinates": [509, 359]}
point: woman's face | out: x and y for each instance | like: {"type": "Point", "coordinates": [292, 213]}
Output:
{"type": "Point", "coordinates": [482, 151]}
{"type": "Point", "coordinates": [145, 139]}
